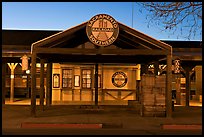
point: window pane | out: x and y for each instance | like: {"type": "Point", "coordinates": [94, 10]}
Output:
{"type": "Point", "coordinates": [88, 85]}
{"type": "Point", "coordinates": [86, 78]}
{"type": "Point", "coordinates": [67, 78]}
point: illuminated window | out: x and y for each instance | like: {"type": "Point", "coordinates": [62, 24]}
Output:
{"type": "Point", "coordinates": [86, 78]}
{"type": "Point", "coordinates": [67, 78]}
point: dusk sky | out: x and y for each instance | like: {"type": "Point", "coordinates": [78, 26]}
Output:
{"type": "Point", "coordinates": [64, 15]}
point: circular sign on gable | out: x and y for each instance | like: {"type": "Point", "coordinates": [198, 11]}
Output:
{"type": "Point", "coordinates": [102, 30]}
{"type": "Point", "coordinates": [119, 79]}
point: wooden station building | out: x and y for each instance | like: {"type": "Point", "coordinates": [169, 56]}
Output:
{"type": "Point", "coordinates": [100, 62]}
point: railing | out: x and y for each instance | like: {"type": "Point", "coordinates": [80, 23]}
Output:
{"type": "Point", "coordinates": [119, 93]}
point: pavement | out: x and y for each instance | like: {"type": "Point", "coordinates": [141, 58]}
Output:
{"type": "Point", "coordinates": [108, 120]}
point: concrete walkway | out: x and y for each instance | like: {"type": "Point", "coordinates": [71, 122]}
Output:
{"type": "Point", "coordinates": [117, 118]}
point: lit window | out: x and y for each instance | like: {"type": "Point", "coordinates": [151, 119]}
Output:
{"type": "Point", "coordinates": [86, 78]}
{"type": "Point", "coordinates": [67, 78]}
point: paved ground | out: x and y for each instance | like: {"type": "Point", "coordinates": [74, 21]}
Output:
{"type": "Point", "coordinates": [115, 120]}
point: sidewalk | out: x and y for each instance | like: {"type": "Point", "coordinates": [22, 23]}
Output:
{"type": "Point", "coordinates": [13, 116]}
{"type": "Point", "coordinates": [112, 117]}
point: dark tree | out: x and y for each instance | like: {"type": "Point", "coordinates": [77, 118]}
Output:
{"type": "Point", "coordinates": [185, 17]}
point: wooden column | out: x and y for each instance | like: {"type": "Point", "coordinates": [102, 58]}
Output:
{"type": "Point", "coordinates": [28, 84]}
{"type": "Point", "coordinates": [187, 85]}
{"type": "Point", "coordinates": [188, 68]}
{"type": "Point", "coordinates": [198, 76]}
{"type": "Point", "coordinates": [12, 66]}
{"type": "Point", "coordinates": [42, 90]}
{"type": "Point", "coordinates": [137, 89]}
{"type": "Point", "coordinates": [4, 65]}
{"type": "Point", "coordinates": [96, 84]}
{"type": "Point", "coordinates": [156, 67]}
{"type": "Point", "coordinates": [102, 92]}
{"type": "Point", "coordinates": [169, 87]}
{"type": "Point", "coordinates": [33, 84]}
{"type": "Point", "coordinates": [49, 84]}
{"type": "Point", "coordinates": [144, 69]}
{"type": "Point", "coordinates": [178, 90]}
{"type": "Point", "coordinates": [138, 81]}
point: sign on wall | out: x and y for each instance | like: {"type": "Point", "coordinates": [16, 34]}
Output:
{"type": "Point", "coordinates": [102, 30]}
{"type": "Point", "coordinates": [177, 66]}
{"type": "Point", "coordinates": [24, 62]}
{"type": "Point", "coordinates": [56, 80]}
{"type": "Point", "coordinates": [119, 79]}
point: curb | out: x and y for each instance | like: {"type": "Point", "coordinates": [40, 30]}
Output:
{"type": "Point", "coordinates": [183, 127]}
{"type": "Point", "coordinates": [59, 125]}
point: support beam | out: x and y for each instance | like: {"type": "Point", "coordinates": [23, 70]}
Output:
{"type": "Point", "coordinates": [188, 68]}
{"type": "Point", "coordinates": [101, 51]}
{"type": "Point", "coordinates": [12, 66]}
{"type": "Point", "coordinates": [96, 84]}
{"type": "Point", "coordinates": [33, 84]}
{"type": "Point", "coordinates": [4, 65]}
{"type": "Point", "coordinates": [156, 67]}
{"type": "Point", "coordinates": [169, 87]}
{"type": "Point", "coordinates": [178, 90]}
{"type": "Point", "coordinates": [138, 82]}
{"type": "Point", "coordinates": [144, 69]}
{"type": "Point", "coordinates": [42, 91]}
{"type": "Point", "coordinates": [187, 86]}
{"type": "Point", "coordinates": [49, 84]}
{"type": "Point", "coordinates": [28, 85]}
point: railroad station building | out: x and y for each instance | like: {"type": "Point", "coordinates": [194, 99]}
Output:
{"type": "Point", "coordinates": [100, 62]}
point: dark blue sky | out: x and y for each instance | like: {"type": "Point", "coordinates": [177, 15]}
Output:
{"type": "Point", "coordinates": [64, 15]}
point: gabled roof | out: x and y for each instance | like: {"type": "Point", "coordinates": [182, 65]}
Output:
{"type": "Point", "coordinates": [128, 38]}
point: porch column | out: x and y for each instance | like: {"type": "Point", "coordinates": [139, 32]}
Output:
{"type": "Point", "coordinates": [198, 73]}
{"type": "Point", "coordinates": [187, 86]}
{"type": "Point", "coordinates": [49, 84]}
{"type": "Point", "coordinates": [12, 66]}
{"type": "Point", "coordinates": [187, 69]}
{"type": "Point", "coordinates": [3, 81]}
{"type": "Point", "coordinates": [96, 84]}
{"type": "Point", "coordinates": [169, 86]}
{"type": "Point", "coordinates": [138, 81]}
{"type": "Point", "coordinates": [178, 91]}
{"type": "Point", "coordinates": [144, 69]}
{"type": "Point", "coordinates": [33, 84]}
{"type": "Point", "coordinates": [156, 67]}
{"type": "Point", "coordinates": [42, 91]}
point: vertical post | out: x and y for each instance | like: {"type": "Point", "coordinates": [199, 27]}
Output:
{"type": "Point", "coordinates": [3, 81]}
{"type": "Point", "coordinates": [102, 91]}
{"type": "Point", "coordinates": [178, 91]}
{"type": "Point", "coordinates": [28, 84]}
{"type": "Point", "coordinates": [169, 87]}
{"type": "Point", "coordinates": [12, 67]}
{"type": "Point", "coordinates": [42, 84]}
{"type": "Point", "coordinates": [198, 75]}
{"type": "Point", "coordinates": [49, 84]}
{"type": "Point", "coordinates": [144, 69]}
{"type": "Point", "coordinates": [156, 67]}
{"type": "Point", "coordinates": [138, 78]}
{"type": "Point", "coordinates": [138, 90]}
{"type": "Point", "coordinates": [187, 85]}
{"type": "Point", "coordinates": [96, 84]}
{"type": "Point", "coordinates": [33, 84]}
{"type": "Point", "coordinates": [12, 86]}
